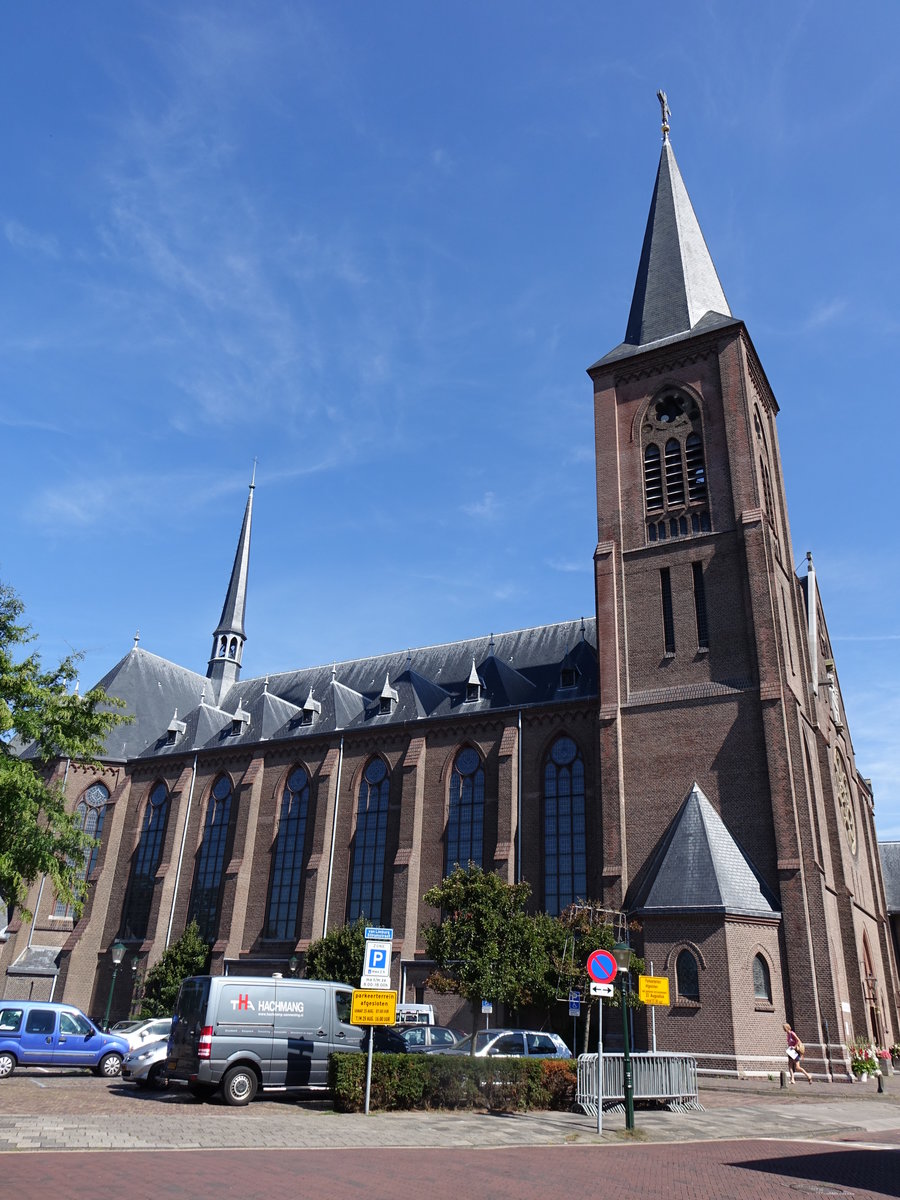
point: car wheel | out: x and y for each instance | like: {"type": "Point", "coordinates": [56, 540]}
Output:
{"type": "Point", "coordinates": [157, 1077]}
{"type": "Point", "coordinates": [7, 1064]}
{"type": "Point", "coordinates": [239, 1086]}
{"type": "Point", "coordinates": [110, 1066]}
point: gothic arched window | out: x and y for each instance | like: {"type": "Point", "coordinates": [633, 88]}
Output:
{"type": "Point", "coordinates": [465, 819]}
{"type": "Point", "coordinates": [675, 491]}
{"type": "Point", "coordinates": [565, 856]}
{"type": "Point", "coordinates": [367, 869]}
{"type": "Point", "coordinates": [139, 894]}
{"type": "Point", "coordinates": [687, 976]}
{"type": "Point", "coordinates": [762, 980]}
{"type": "Point", "coordinates": [206, 892]}
{"type": "Point", "coordinates": [288, 859]}
{"type": "Point", "coordinates": [90, 813]}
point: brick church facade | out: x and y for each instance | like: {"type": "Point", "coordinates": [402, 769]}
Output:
{"type": "Point", "coordinates": [683, 757]}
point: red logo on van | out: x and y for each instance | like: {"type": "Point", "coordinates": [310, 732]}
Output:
{"type": "Point", "coordinates": [243, 1004]}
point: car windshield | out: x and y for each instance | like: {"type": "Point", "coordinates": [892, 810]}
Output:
{"type": "Point", "coordinates": [482, 1039]}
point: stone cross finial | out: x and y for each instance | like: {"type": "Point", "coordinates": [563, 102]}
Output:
{"type": "Point", "coordinates": [666, 113]}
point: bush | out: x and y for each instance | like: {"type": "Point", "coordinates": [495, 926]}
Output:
{"type": "Point", "coordinates": [443, 1081]}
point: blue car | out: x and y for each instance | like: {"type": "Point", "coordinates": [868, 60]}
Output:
{"type": "Point", "coordinates": [38, 1034]}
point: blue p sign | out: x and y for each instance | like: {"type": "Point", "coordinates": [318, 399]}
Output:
{"type": "Point", "coordinates": [377, 959]}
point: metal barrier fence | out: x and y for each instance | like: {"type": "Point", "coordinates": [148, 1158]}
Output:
{"type": "Point", "coordinates": [670, 1078]}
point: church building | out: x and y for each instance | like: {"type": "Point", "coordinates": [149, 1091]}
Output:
{"type": "Point", "coordinates": [683, 756]}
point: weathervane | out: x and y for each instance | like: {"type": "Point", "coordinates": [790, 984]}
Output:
{"type": "Point", "coordinates": [666, 113]}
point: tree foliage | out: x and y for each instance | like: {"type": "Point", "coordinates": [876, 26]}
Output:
{"type": "Point", "coordinates": [187, 956]}
{"type": "Point", "coordinates": [487, 947]}
{"type": "Point", "coordinates": [339, 954]}
{"type": "Point", "coordinates": [42, 721]}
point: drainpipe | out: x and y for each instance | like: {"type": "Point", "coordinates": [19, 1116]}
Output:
{"type": "Point", "coordinates": [337, 799]}
{"type": "Point", "coordinates": [519, 806]}
{"type": "Point", "coordinates": [37, 907]}
{"type": "Point", "coordinates": [187, 816]}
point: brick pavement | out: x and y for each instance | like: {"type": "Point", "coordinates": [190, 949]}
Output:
{"type": "Point", "coordinates": [746, 1170]}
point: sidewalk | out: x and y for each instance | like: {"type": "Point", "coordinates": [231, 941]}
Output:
{"type": "Point", "coordinates": [72, 1111]}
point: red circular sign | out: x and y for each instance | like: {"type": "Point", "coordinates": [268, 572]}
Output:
{"type": "Point", "coordinates": [602, 966]}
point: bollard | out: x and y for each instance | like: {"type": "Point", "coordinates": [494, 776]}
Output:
{"type": "Point", "coordinates": [879, 1075]}
{"type": "Point", "coordinates": [784, 1079]}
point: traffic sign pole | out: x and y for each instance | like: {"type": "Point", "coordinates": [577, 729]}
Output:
{"type": "Point", "coordinates": [369, 1067]}
{"type": "Point", "coordinates": [600, 1065]}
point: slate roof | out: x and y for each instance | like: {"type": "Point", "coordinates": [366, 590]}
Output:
{"type": "Point", "coordinates": [677, 290]}
{"type": "Point", "coordinates": [699, 867]}
{"type": "Point", "coordinates": [517, 669]}
{"type": "Point", "coordinates": [890, 870]}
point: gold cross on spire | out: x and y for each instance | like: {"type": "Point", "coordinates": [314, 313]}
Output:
{"type": "Point", "coordinates": [666, 113]}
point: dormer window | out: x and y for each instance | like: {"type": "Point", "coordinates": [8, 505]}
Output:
{"type": "Point", "coordinates": [311, 710]}
{"type": "Point", "coordinates": [239, 722]}
{"type": "Point", "coordinates": [568, 677]}
{"type": "Point", "coordinates": [388, 699]}
{"type": "Point", "coordinates": [175, 730]}
{"type": "Point", "coordinates": [474, 686]}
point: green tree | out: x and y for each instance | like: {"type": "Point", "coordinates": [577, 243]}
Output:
{"type": "Point", "coordinates": [187, 956]}
{"type": "Point", "coordinates": [339, 954]}
{"type": "Point", "coordinates": [41, 722]}
{"type": "Point", "coordinates": [586, 928]}
{"type": "Point", "coordinates": [486, 947]}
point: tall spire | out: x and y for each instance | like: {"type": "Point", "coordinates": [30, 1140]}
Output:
{"type": "Point", "coordinates": [229, 636]}
{"type": "Point", "coordinates": [677, 284]}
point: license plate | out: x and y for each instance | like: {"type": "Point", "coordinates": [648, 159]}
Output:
{"type": "Point", "coordinates": [172, 1064]}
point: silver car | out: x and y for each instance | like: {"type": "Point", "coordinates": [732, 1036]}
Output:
{"type": "Point", "coordinates": [144, 1032]}
{"type": "Point", "coordinates": [509, 1043]}
{"type": "Point", "coordinates": [146, 1065]}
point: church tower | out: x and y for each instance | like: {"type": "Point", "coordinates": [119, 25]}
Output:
{"type": "Point", "coordinates": [229, 637]}
{"type": "Point", "coordinates": [711, 713]}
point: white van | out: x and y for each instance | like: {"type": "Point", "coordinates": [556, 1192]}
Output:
{"type": "Point", "coordinates": [415, 1014]}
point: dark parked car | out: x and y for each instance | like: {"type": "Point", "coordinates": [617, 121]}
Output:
{"type": "Point", "coordinates": [428, 1037]}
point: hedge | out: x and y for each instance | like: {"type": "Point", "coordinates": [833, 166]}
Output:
{"type": "Point", "coordinates": [423, 1081]}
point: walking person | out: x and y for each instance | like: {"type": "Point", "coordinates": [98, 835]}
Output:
{"type": "Point", "coordinates": [795, 1052]}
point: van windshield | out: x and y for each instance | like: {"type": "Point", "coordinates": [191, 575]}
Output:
{"type": "Point", "coordinates": [191, 1003]}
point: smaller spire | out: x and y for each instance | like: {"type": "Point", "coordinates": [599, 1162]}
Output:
{"type": "Point", "coordinates": [137, 638]}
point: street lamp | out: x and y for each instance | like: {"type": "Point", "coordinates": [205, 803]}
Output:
{"type": "Point", "coordinates": [293, 963]}
{"type": "Point", "coordinates": [621, 952]}
{"type": "Point", "coordinates": [116, 953]}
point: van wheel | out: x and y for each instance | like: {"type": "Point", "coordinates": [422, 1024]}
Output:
{"type": "Point", "coordinates": [109, 1066]}
{"type": "Point", "coordinates": [7, 1064]}
{"type": "Point", "coordinates": [239, 1085]}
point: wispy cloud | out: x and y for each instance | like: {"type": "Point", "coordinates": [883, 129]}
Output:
{"type": "Point", "coordinates": [486, 509]}
{"type": "Point", "coordinates": [824, 315]}
{"type": "Point", "coordinates": [29, 241]}
{"type": "Point", "coordinates": [571, 566]}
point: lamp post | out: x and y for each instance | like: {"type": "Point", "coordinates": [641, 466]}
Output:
{"type": "Point", "coordinates": [293, 963]}
{"type": "Point", "coordinates": [116, 953]}
{"type": "Point", "coordinates": [621, 952]}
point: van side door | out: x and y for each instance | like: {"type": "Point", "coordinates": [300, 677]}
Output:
{"type": "Point", "coordinates": [78, 1043]}
{"type": "Point", "coordinates": [244, 1025]}
{"type": "Point", "coordinates": [302, 1034]}
{"type": "Point", "coordinates": [39, 1036]}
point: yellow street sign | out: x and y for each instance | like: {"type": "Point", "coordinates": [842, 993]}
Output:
{"type": "Point", "coordinates": [373, 1007]}
{"type": "Point", "coordinates": [654, 989]}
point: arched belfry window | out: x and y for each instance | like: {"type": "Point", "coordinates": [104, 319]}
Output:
{"type": "Point", "coordinates": [367, 869]}
{"type": "Point", "coordinates": [139, 893]}
{"type": "Point", "coordinates": [565, 855]}
{"type": "Point", "coordinates": [90, 812]}
{"type": "Point", "coordinates": [675, 490]}
{"type": "Point", "coordinates": [288, 859]}
{"type": "Point", "coordinates": [207, 889]}
{"type": "Point", "coordinates": [465, 817]}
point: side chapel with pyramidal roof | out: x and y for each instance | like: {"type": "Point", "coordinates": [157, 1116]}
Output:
{"type": "Point", "coordinates": [683, 757]}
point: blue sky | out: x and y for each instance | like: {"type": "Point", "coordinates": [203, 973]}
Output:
{"type": "Point", "coordinates": [376, 246]}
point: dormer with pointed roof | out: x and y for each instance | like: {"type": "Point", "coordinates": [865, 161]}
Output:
{"type": "Point", "coordinates": [229, 637]}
